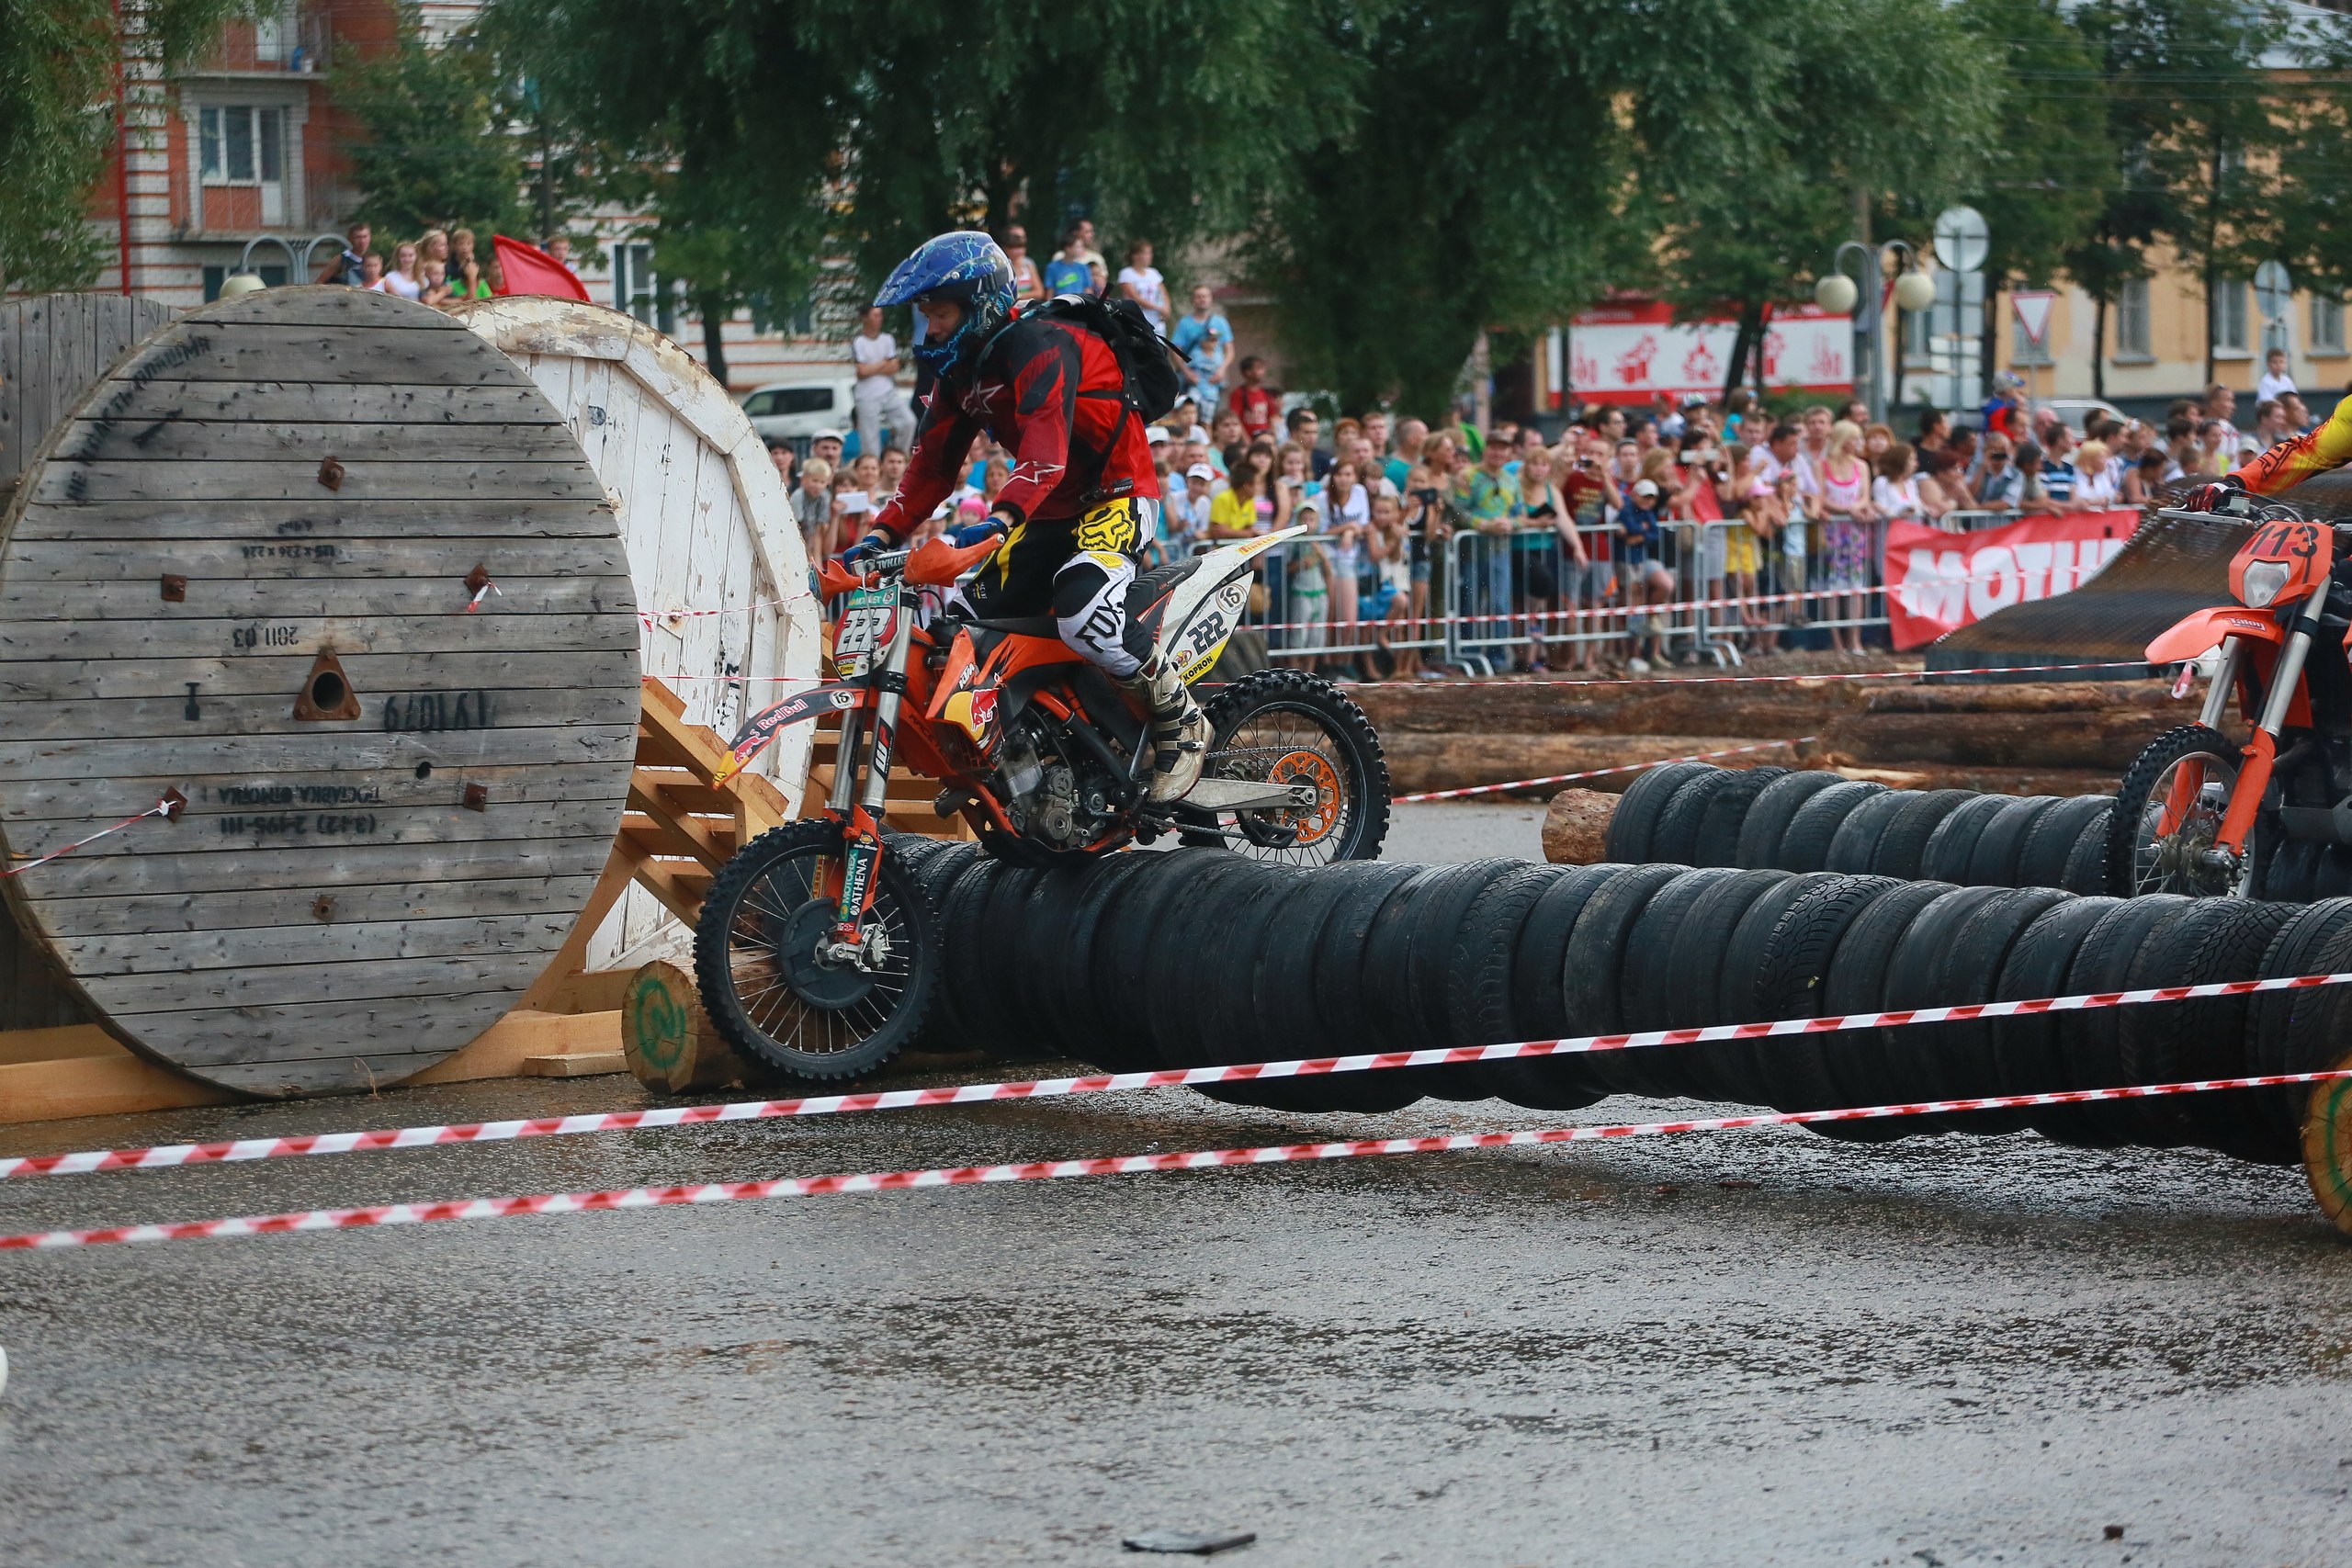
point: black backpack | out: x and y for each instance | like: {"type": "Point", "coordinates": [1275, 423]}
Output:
{"type": "Point", "coordinates": [1155, 375]}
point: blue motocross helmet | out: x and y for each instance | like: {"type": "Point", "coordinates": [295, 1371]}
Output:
{"type": "Point", "coordinates": [964, 266]}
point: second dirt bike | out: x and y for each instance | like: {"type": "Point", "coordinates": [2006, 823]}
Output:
{"type": "Point", "coordinates": [817, 951]}
{"type": "Point", "coordinates": [2202, 813]}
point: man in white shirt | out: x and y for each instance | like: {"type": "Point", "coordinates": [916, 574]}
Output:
{"type": "Point", "coordinates": [2276, 382]}
{"type": "Point", "coordinates": [876, 399]}
{"type": "Point", "coordinates": [1778, 456]}
{"type": "Point", "coordinates": [1813, 450]}
{"type": "Point", "coordinates": [1140, 281]}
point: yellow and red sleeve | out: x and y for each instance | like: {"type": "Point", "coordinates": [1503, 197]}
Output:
{"type": "Point", "coordinates": [2298, 457]}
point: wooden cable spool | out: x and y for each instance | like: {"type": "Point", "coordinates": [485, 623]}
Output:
{"type": "Point", "coordinates": [246, 569]}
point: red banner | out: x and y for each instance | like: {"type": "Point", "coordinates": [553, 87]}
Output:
{"type": "Point", "coordinates": [1938, 583]}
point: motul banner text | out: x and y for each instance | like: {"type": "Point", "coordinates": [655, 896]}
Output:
{"type": "Point", "coordinates": [1938, 581]}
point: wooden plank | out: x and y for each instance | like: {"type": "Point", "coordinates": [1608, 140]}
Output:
{"type": "Point", "coordinates": [311, 834]}
{"type": "Point", "coordinates": [277, 599]}
{"type": "Point", "coordinates": [70, 480]}
{"type": "Point", "coordinates": [297, 1038]}
{"type": "Point", "coordinates": [522, 1036]}
{"type": "Point", "coordinates": [227, 760]}
{"type": "Point", "coordinates": [162, 639]}
{"type": "Point", "coordinates": [306, 442]}
{"type": "Point", "coordinates": [119, 1085]}
{"type": "Point", "coordinates": [80, 1040]}
{"type": "Point", "coordinates": [66, 803]}
{"type": "Point", "coordinates": [326, 517]}
{"type": "Point", "coordinates": [156, 1001]}
{"type": "Point", "coordinates": [247, 909]}
{"type": "Point", "coordinates": [556, 862]}
{"type": "Point", "coordinates": [311, 942]}
{"type": "Point", "coordinates": [201, 352]}
{"type": "Point", "coordinates": [52, 347]}
{"type": "Point", "coordinates": [262, 673]}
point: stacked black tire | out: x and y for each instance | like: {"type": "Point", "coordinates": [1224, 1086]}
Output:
{"type": "Point", "coordinates": [1145, 961]}
{"type": "Point", "coordinates": [1774, 819]}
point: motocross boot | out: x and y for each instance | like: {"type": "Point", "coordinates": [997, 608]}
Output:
{"type": "Point", "coordinates": [1179, 732]}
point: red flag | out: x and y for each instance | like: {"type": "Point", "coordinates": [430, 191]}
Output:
{"type": "Point", "coordinates": [527, 269]}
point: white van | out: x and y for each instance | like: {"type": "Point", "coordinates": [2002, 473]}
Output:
{"type": "Point", "coordinates": [795, 411]}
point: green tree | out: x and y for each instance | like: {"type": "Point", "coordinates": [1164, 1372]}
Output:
{"type": "Point", "coordinates": [2196, 114]}
{"type": "Point", "coordinates": [434, 144]}
{"type": "Point", "coordinates": [56, 124]}
{"type": "Point", "coordinates": [1470, 185]}
{"type": "Point", "coordinates": [1842, 114]}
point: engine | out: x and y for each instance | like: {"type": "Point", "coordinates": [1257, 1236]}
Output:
{"type": "Point", "coordinates": [1062, 801]}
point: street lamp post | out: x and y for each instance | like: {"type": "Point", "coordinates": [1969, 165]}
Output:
{"type": "Point", "coordinates": [1840, 294]}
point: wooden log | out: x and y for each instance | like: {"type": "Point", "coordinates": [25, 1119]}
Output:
{"type": "Point", "coordinates": [667, 1038]}
{"type": "Point", "coordinates": [1419, 762]}
{"type": "Point", "coordinates": [2327, 1149]}
{"type": "Point", "coordinates": [387, 833]}
{"type": "Point", "coordinates": [1576, 827]}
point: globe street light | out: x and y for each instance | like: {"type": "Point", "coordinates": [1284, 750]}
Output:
{"type": "Point", "coordinates": [1840, 294]}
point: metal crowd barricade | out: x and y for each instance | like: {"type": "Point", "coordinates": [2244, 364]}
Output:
{"type": "Point", "coordinates": [1299, 626]}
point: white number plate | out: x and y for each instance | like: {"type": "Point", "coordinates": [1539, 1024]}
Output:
{"type": "Point", "coordinates": [864, 628]}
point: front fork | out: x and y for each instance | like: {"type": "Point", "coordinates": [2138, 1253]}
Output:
{"type": "Point", "coordinates": [860, 810]}
{"type": "Point", "coordinates": [2262, 751]}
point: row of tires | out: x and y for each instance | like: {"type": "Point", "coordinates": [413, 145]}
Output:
{"type": "Point", "coordinates": [1776, 820]}
{"type": "Point", "coordinates": [1198, 957]}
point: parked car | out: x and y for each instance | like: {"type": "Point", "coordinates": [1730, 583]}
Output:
{"type": "Point", "coordinates": [795, 411]}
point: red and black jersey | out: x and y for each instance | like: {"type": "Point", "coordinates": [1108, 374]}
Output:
{"type": "Point", "coordinates": [1053, 395]}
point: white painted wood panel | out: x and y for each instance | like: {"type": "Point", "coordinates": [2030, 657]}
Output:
{"type": "Point", "coordinates": [707, 526]}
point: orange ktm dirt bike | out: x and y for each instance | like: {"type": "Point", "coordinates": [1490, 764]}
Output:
{"type": "Point", "coordinates": [817, 951]}
{"type": "Point", "coordinates": [2203, 814]}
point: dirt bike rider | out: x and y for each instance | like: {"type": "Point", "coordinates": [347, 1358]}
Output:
{"type": "Point", "coordinates": [1082, 498]}
{"type": "Point", "coordinates": [2283, 467]}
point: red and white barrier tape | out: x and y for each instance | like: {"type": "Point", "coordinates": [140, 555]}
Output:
{"type": "Point", "coordinates": [1590, 772]}
{"type": "Point", "coordinates": [1049, 1170]}
{"type": "Point", "coordinates": [171, 1155]}
{"type": "Point", "coordinates": [650, 616]}
{"type": "Point", "coordinates": [169, 807]}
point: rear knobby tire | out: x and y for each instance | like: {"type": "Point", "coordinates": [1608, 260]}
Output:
{"type": "Point", "coordinates": [779, 1004]}
{"type": "Point", "coordinates": [1301, 728]}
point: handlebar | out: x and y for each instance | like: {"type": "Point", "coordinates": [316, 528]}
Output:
{"type": "Point", "coordinates": [934, 563]}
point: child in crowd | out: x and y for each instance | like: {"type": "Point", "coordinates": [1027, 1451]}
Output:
{"type": "Point", "coordinates": [1639, 523]}
{"type": "Point", "coordinates": [813, 508]}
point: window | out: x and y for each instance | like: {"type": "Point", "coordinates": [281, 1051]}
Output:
{"type": "Point", "coordinates": [2327, 324]}
{"type": "Point", "coordinates": [2229, 315]}
{"type": "Point", "coordinates": [2132, 337]}
{"type": "Point", "coordinates": [790, 399]}
{"type": "Point", "coordinates": [242, 145]}
{"type": "Point", "coordinates": [637, 290]}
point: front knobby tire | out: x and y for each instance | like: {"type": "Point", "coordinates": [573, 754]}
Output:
{"type": "Point", "coordinates": [1290, 727]}
{"type": "Point", "coordinates": [766, 988]}
{"type": "Point", "coordinates": [2146, 855]}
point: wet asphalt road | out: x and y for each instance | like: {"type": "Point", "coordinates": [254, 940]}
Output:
{"type": "Point", "coordinates": [1755, 1347]}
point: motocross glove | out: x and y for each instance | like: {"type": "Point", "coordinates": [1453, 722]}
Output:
{"type": "Point", "coordinates": [863, 548]}
{"type": "Point", "coordinates": [2215, 496]}
{"type": "Point", "coordinates": [971, 534]}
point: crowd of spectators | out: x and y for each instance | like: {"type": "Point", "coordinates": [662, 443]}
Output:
{"type": "Point", "coordinates": [1554, 548]}
{"type": "Point", "coordinates": [438, 267]}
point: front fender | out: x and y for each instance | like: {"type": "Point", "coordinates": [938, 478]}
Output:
{"type": "Point", "coordinates": [2205, 629]}
{"type": "Point", "coordinates": [835, 697]}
